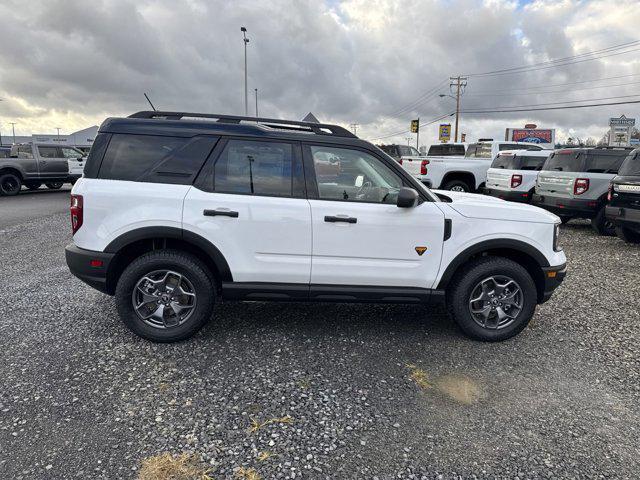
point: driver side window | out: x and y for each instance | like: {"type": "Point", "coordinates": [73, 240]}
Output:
{"type": "Point", "coordinates": [354, 176]}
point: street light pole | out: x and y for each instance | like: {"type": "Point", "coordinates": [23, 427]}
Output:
{"type": "Point", "coordinates": [13, 130]}
{"type": "Point", "coordinates": [256, 90]}
{"type": "Point", "coordinates": [58, 129]}
{"type": "Point", "coordinates": [246, 94]}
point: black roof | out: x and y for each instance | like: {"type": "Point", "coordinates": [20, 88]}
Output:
{"type": "Point", "coordinates": [186, 124]}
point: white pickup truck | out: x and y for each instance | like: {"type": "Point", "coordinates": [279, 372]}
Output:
{"type": "Point", "coordinates": [461, 173]}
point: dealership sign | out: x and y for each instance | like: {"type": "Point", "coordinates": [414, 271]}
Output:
{"type": "Point", "coordinates": [622, 121]}
{"type": "Point", "coordinates": [531, 135]}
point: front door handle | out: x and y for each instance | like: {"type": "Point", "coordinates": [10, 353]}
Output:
{"type": "Point", "coordinates": [334, 219]}
{"type": "Point", "coordinates": [222, 213]}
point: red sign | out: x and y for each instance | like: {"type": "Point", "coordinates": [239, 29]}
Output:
{"type": "Point", "coordinates": [531, 135]}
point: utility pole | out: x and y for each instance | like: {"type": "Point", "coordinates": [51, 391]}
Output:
{"type": "Point", "coordinates": [256, 90]}
{"type": "Point", "coordinates": [418, 135]}
{"type": "Point", "coordinates": [246, 94]}
{"type": "Point", "coordinates": [354, 127]}
{"type": "Point", "coordinates": [13, 130]}
{"type": "Point", "coordinates": [460, 84]}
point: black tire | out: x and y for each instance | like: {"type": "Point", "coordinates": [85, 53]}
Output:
{"type": "Point", "coordinates": [10, 184]}
{"type": "Point", "coordinates": [457, 186]}
{"type": "Point", "coordinates": [187, 265]}
{"type": "Point", "coordinates": [467, 280]}
{"type": "Point", "coordinates": [33, 185]}
{"type": "Point", "coordinates": [565, 219]}
{"type": "Point", "coordinates": [54, 185]}
{"type": "Point", "coordinates": [628, 235]}
{"type": "Point", "coordinates": [601, 225]}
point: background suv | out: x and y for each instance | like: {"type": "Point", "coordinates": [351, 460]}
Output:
{"type": "Point", "coordinates": [174, 214]}
{"type": "Point", "coordinates": [574, 183]}
{"type": "Point", "coordinates": [624, 199]}
{"type": "Point", "coordinates": [513, 174]}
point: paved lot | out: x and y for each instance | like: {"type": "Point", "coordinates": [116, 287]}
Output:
{"type": "Point", "coordinates": [81, 397]}
{"type": "Point", "coordinates": [33, 204]}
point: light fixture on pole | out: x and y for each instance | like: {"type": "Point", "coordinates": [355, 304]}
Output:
{"type": "Point", "coordinates": [246, 94]}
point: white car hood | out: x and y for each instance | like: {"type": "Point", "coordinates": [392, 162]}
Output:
{"type": "Point", "coordinates": [473, 205]}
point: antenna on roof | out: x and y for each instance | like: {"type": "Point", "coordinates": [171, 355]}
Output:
{"type": "Point", "coordinates": [147, 97]}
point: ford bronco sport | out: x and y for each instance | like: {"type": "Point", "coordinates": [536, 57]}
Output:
{"type": "Point", "coordinates": [177, 211]}
{"type": "Point", "coordinates": [573, 183]}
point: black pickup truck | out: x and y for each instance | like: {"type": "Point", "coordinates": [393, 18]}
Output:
{"type": "Point", "coordinates": [623, 208]}
{"type": "Point", "coordinates": [32, 165]}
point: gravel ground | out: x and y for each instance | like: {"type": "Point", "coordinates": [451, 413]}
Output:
{"type": "Point", "coordinates": [353, 391]}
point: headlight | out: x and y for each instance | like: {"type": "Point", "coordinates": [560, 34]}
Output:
{"type": "Point", "coordinates": [556, 238]}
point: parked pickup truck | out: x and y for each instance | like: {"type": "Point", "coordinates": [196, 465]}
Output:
{"type": "Point", "coordinates": [461, 173]}
{"type": "Point", "coordinates": [32, 165]}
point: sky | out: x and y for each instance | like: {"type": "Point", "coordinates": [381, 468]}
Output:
{"type": "Point", "coordinates": [377, 63]}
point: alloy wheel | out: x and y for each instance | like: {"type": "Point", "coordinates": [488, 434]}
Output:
{"type": "Point", "coordinates": [164, 299]}
{"type": "Point", "coordinates": [495, 302]}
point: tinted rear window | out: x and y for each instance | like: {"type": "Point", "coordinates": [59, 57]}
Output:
{"type": "Point", "coordinates": [631, 165]}
{"type": "Point", "coordinates": [605, 162]}
{"type": "Point", "coordinates": [150, 158]}
{"type": "Point", "coordinates": [446, 150]}
{"type": "Point", "coordinates": [567, 161]}
{"type": "Point", "coordinates": [507, 161]}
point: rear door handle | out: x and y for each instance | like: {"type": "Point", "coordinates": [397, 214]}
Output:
{"type": "Point", "coordinates": [221, 213]}
{"type": "Point", "coordinates": [334, 219]}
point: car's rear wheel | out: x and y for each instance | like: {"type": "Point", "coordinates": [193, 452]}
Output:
{"type": "Point", "coordinates": [492, 298]}
{"type": "Point", "coordinates": [165, 296]}
{"type": "Point", "coordinates": [628, 235]}
{"type": "Point", "coordinates": [602, 225]}
{"type": "Point", "coordinates": [10, 184]}
{"type": "Point", "coordinates": [33, 185]}
{"type": "Point", "coordinates": [457, 186]}
{"type": "Point", "coordinates": [54, 185]}
{"type": "Point", "coordinates": [565, 218]}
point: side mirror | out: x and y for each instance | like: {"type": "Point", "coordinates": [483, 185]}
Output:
{"type": "Point", "coordinates": [407, 198]}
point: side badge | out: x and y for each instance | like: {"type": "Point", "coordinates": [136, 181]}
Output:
{"type": "Point", "coordinates": [421, 250]}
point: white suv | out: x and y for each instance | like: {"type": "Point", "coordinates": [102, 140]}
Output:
{"type": "Point", "coordinates": [175, 213]}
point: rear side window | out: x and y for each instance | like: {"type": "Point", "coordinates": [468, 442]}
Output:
{"type": "Point", "coordinates": [49, 152]}
{"type": "Point", "coordinates": [565, 161]}
{"type": "Point", "coordinates": [254, 168]}
{"type": "Point", "coordinates": [604, 163]}
{"type": "Point", "coordinates": [479, 150]}
{"type": "Point", "coordinates": [24, 151]}
{"type": "Point", "coordinates": [157, 159]}
{"type": "Point", "coordinates": [631, 165]}
{"type": "Point", "coordinates": [92, 165]}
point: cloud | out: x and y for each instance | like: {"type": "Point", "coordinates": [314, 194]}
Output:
{"type": "Point", "coordinates": [71, 64]}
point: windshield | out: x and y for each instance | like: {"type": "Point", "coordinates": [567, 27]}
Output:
{"type": "Point", "coordinates": [564, 161]}
{"type": "Point", "coordinates": [479, 150]}
{"type": "Point", "coordinates": [631, 165]}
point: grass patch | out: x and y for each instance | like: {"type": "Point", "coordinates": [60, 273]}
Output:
{"type": "Point", "coordinates": [247, 474]}
{"type": "Point", "coordinates": [173, 467]}
{"type": "Point", "coordinates": [419, 376]}
{"type": "Point", "coordinates": [256, 425]}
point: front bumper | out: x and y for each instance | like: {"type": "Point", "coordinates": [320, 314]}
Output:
{"type": "Point", "coordinates": [509, 195]}
{"type": "Point", "coordinates": [553, 277]}
{"type": "Point", "coordinates": [567, 207]}
{"type": "Point", "coordinates": [89, 266]}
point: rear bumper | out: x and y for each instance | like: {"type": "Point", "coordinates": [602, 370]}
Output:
{"type": "Point", "coordinates": [561, 206]}
{"type": "Point", "coordinates": [553, 277]}
{"type": "Point", "coordinates": [80, 261]}
{"type": "Point", "coordinates": [624, 217]}
{"type": "Point", "coordinates": [509, 195]}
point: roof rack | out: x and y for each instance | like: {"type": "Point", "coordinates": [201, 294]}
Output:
{"type": "Point", "coordinates": [317, 128]}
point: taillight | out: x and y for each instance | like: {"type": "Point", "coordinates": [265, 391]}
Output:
{"type": "Point", "coordinates": [400, 161]}
{"type": "Point", "coordinates": [610, 193]}
{"type": "Point", "coordinates": [580, 186]}
{"type": "Point", "coordinates": [516, 181]}
{"type": "Point", "coordinates": [423, 167]}
{"type": "Point", "coordinates": [76, 212]}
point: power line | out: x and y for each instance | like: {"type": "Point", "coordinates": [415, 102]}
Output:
{"type": "Point", "coordinates": [567, 107]}
{"type": "Point", "coordinates": [408, 131]}
{"type": "Point", "coordinates": [606, 52]}
{"type": "Point", "coordinates": [420, 99]}
{"type": "Point", "coordinates": [562, 102]}
{"type": "Point", "coordinates": [547, 92]}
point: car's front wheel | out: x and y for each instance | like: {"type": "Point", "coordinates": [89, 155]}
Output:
{"type": "Point", "coordinates": [492, 298]}
{"type": "Point", "coordinates": [602, 225]}
{"type": "Point", "coordinates": [165, 296]}
{"type": "Point", "coordinates": [457, 186]}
